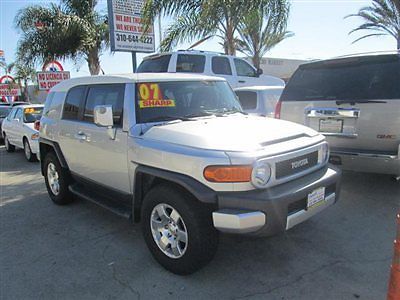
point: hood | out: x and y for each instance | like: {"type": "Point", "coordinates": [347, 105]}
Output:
{"type": "Point", "coordinates": [231, 133]}
{"type": "Point", "coordinates": [31, 126]}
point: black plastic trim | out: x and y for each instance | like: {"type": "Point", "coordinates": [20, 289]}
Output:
{"type": "Point", "coordinates": [57, 150]}
{"type": "Point", "coordinates": [196, 188]}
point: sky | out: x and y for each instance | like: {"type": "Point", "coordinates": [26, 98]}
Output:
{"type": "Point", "coordinates": [319, 27]}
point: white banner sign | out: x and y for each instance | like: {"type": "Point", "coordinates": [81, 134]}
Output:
{"type": "Point", "coordinates": [126, 28]}
{"type": "Point", "coordinates": [9, 90]}
{"type": "Point", "coordinates": [46, 80]}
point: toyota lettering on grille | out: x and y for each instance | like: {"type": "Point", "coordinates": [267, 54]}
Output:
{"type": "Point", "coordinates": [299, 163]}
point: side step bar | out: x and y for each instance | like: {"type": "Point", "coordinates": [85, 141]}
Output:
{"type": "Point", "coordinates": [120, 207]}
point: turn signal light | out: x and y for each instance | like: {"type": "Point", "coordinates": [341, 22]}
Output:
{"type": "Point", "coordinates": [228, 173]}
{"type": "Point", "coordinates": [36, 125]}
{"type": "Point", "coordinates": [278, 108]}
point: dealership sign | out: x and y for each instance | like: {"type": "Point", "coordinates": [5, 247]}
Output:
{"type": "Point", "coordinates": [52, 74]}
{"type": "Point", "coordinates": [126, 27]}
{"type": "Point", "coordinates": [8, 88]}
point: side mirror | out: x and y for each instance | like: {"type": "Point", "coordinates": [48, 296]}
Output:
{"type": "Point", "coordinates": [103, 115]}
{"type": "Point", "coordinates": [16, 120]}
{"type": "Point", "coordinates": [259, 72]}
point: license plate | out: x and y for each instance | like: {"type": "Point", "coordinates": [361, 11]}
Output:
{"type": "Point", "coordinates": [316, 197]}
{"type": "Point", "coordinates": [331, 125]}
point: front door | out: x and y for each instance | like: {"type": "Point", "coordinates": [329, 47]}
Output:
{"type": "Point", "coordinates": [100, 158]}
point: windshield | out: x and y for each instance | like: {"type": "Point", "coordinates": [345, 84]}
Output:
{"type": "Point", "coordinates": [4, 111]}
{"type": "Point", "coordinates": [347, 80]}
{"type": "Point", "coordinates": [164, 101]}
{"type": "Point", "coordinates": [157, 64]}
{"type": "Point", "coordinates": [32, 114]}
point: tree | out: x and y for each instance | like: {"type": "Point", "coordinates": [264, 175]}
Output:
{"type": "Point", "coordinates": [71, 30]}
{"type": "Point", "coordinates": [24, 73]}
{"type": "Point", "coordinates": [383, 17]}
{"type": "Point", "coordinates": [262, 29]}
{"type": "Point", "coordinates": [200, 19]}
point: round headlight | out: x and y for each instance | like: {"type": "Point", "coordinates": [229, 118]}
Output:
{"type": "Point", "coordinates": [324, 153]}
{"type": "Point", "coordinates": [261, 174]}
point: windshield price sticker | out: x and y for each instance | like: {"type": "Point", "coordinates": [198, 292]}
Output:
{"type": "Point", "coordinates": [150, 95]}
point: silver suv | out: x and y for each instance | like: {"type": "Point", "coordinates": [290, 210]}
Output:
{"type": "Point", "coordinates": [355, 102]}
{"type": "Point", "coordinates": [177, 153]}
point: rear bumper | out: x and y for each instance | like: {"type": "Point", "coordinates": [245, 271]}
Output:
{"type": "Point", "coordinates": [367, 162]}
{"type": "Point", "coordinates": [276, 209]}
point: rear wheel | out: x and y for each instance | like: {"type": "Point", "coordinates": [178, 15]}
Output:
{"type": "Point", "coordinates": [9, 147]}
{"type": "Point", "coordinates": [178, 230]}
{"type": "Point", "coordinates": [31, 157]}
{"type": "Point", "coordinates": [57, 180]}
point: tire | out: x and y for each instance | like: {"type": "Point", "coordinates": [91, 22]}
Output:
{"type": "Point", "coordinates": [31, 157]}
{"type": "Point", "coordinates": [57, 180]}
{"type": "Point", "coordinates": [194, 217]}
{"type": "Point", "coordinates": [9, 147]}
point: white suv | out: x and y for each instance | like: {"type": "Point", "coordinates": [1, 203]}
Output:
{"type": "Point", "coordinates": [235, 70]}
{"type": "Point", "coordinates": [176, 152]}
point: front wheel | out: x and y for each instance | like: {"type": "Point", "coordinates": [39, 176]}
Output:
{"type": "Point", "coordinates": [178, 230]}
{"type": "Point", "coordinates": [31, 157]}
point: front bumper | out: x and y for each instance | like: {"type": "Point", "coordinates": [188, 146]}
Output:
{"type": "Point", "coordinates": [276, 209]}
{"type": "Point", "coordinates": [367, 162]}
{"type": "Point", "coordinates": [34, 144]}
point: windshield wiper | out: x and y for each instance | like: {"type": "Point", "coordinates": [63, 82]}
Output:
{"type": "Point", "coordinates": [353, 102]}
{"type": "Point", "coordinates": [198, 115]}
{"type": "Point", "coordinates": [165, 119]}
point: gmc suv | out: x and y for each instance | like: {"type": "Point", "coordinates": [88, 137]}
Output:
{"type": "Point", "coordinates": [177, 153]}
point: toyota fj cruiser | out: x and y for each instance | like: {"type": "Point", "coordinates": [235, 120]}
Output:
{"type": "Point", "coordinates": [177, 153]}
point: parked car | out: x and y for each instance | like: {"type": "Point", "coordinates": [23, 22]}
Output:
{"type": "Point", "coordinates": [259, 100]}
{"type": "Point", "coordinates": [175, 152]}
{"type": "Point", "coordinates": [5, 108]}
{"type": "Point", "coordinates": [235, 70]}
{"type": "Point", "coordinates": [355, 102]}
{"type": "Point", "coordinates": [19, 130]}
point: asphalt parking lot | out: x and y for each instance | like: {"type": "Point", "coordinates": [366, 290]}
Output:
{"type": "Point", "coordinates": [81, 251]}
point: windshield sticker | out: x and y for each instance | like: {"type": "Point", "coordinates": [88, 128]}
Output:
{"type": "Point", "coordinates": [150, 95]}
{"type": "Point", "coordinates": [31, 110]}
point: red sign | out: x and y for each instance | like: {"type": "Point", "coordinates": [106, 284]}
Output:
{"type": "Point", "coordinates": [46, 80]}
{"type": "Point", "coordinates": [8, 88]}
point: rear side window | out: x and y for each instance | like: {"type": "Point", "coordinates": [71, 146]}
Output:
{"type": "Point", "coordinates": [73, 101]}
{"type": "Point", "coordinates": [157, 64]}
{"type": "Point", "coordinates": [247, 99]}
{"type": "Point", "coordinates": [105, 95]}
{"type": "Point", "coordinates": [11, 115]}
{"type": "Point", "coordinates": [19, 114]}
{"type": "Point", "coordinates": [190, 63]}
{"type": "Point", "coordinates": [244, 69]}
{"type": "Point", "coordinates": [221, 65]}
{"type": "Point", "coordinates": [357, 79]}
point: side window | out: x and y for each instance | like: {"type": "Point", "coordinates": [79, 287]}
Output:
{"type": "Point", "coordinates": [221, 65]}
{"type": "Point", "coordinates": [244, 69]}
{"type": "Point", "coordinates": [190, 63]}
{"type": "Point", "coordinates": [73, 101]}
{"type": "Point", "coordinates": [247, 99]}
{"type": "Point", "coordinates": [105, 95]}
{"type": "Point", "coordinates": [158, 64]}
{"type": "Point", "coordinates": [11, 115]}
{"type": "Point", "coordinates": [19, 115]}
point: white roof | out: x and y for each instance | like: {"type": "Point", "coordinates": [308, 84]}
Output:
{"type": "Point", "coordinates": [131, 78]}
{"type": "Point", "coordinates": [28, 105]}
{"type": "Point", "coordinates": [259, 88]}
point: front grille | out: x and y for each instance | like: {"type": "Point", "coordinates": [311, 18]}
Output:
{"type": "Point", "coordinates": [296, 165]}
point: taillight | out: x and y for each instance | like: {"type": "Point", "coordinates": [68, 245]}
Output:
{"type": "Point", "coordinates": [36, 125]}
{"type": "Point", "coordinates": [278, 107]}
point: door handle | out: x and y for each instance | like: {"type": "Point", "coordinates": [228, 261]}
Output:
{"type": "Point", "coordinates": [242, 81]}
{"type": "Point", "coordinates": [81, 136]}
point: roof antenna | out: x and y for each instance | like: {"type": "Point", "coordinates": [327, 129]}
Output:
{"type": "Point", "coordinates": [199, 42]}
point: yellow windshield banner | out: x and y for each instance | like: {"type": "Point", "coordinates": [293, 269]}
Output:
{"type": "Point", "coordinates": [31, 110]}
{"type": "Point", "coordinates": [156, 103]}
{"type": "Point", "coordinates": [150, 95]}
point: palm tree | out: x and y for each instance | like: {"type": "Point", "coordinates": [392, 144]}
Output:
{"type": "Point", "coordinates": [261, 30]}
{"type": "Point", "coordinates": [24, 73]}
{"type": "Point", "coordinates": [200, 19]}
{"type": "Point", "coordinates": [71, 30]}
{"type": "Point", "coordinates": [383, 17]}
